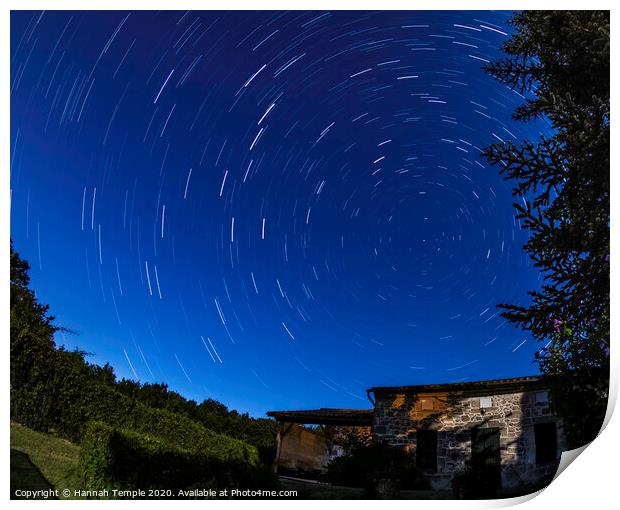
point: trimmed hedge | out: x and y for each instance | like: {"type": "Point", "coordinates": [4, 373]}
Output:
{"type": "Point", "coordinates": [134, 444]}
{"type": "Point", "coordinates": [172, 428]}
{"type": "Point", "coordinates": [112, 458]}
{"type": "Point", "coordinates": [74, 399]}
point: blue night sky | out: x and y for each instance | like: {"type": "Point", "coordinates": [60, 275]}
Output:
{"type": "Point", "coordinates": [273, 209]}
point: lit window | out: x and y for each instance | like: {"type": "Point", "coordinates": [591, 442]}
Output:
{"type": "Point", "coordinates": [426, 404]}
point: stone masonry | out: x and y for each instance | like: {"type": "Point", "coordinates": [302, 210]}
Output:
{"type": "Point", "coordinates": [514, 407]}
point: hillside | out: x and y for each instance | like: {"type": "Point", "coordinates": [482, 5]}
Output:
{"type": "Point", "coordinates": [41, 461]}
{"type": "Point", "coordinates": [131, 435]}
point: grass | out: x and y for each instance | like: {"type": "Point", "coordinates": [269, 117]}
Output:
{"type": "Point", "coordinates": [310, 490]}
{"type": "Point", "coordinates": [321, 491]}
{"type": "Point", "coordinates": [25, 475]}
{"type": "Point", "coordinates": [40, 461]}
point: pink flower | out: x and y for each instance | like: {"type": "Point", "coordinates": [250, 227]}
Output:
{"type": "Point", "coordinates": [556, 325]}
{"type": "Point", "coordinates": [605, 347]}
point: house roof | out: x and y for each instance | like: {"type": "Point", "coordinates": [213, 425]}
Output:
{"type": "Point", "coordinates": [363, 417]}
{"type": "Point", "coordinates": [326, 416]}
{"type": "Point", "coordinates": [493, 386]}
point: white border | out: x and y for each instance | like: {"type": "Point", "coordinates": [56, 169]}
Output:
{"type": "Point", "coordinates": [589, 482]}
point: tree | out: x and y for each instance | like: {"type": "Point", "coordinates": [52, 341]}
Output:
{"type": "Point", "coordinates": [53, 388]}
{"type": "Point", "coordinates": [560, 61]}
{"type": "Point", "coordinates": [31, 332]}
{"type": "Point", "coordinates": [47, 381]}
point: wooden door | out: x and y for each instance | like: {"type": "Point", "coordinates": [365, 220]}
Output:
{"type": "Point", "coordinates": [485, 454]}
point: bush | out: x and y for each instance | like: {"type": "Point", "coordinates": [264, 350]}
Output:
{"type": "Point", "coordinates": [364, 466]}
{"type": "Point", "coordinates": [173, 428]}
{"type": "Point", "coordinates": [479, 483]}
{"type": "Point", "coordinates": [79, 399]}
{"type": "Point", "coordinates": [113, 458]}
{"type": "Point", "coordinates": [96, 457]}
{"type": "Point", "coordinates": [55, 389]}
{"type": "Point", "coordinates": [210, 413]}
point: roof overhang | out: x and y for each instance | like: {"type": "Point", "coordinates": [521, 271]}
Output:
{"type": "Point", "coordinates": [490, 387]}
{"type": "Point", "coordinates": [325, 416]}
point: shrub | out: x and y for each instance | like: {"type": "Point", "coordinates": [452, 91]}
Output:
{"type": "Point", "coordinates": [478, 483]}
{"type": "Point", "coordinates": [173, 428]}
{"type": "Point", "coordinates": [134, 443]}
{"type": "Point", "coordinates": [96, 457]}
{"type": "Point", "coordinates": [210, 413]}
{"type": "Point", "coordinates": [118, 459]}
{"type": "Point", "coordinates": [364, 466]}
{"type": "Point", "coordinates": [55, 389]}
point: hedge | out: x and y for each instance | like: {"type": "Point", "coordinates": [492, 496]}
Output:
{"type": "Point", "coordinates": [56, 390]}
{"type": "Point", "coordinates": [66, 399]}
{"type": "Point", "coordinates": [113, 458]}
{"type": "Point", "coordinates": [173, 428]}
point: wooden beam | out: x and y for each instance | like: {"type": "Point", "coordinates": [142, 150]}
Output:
{"type": "Point", "coordinates": [328, 435]}
{"type": "Point", "coordinates": [283, 428]}
{"type": "Point", "coordinates": [278, 447]}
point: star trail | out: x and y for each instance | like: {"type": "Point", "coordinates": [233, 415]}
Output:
{"type": "Point", "coordinates": [272, 209]}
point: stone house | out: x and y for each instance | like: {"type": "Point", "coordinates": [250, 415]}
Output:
{"type": "Point", "coordinates": [503, 426]}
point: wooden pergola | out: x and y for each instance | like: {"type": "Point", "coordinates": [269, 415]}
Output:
{"type": "Point", "coordinates": [323, 417]}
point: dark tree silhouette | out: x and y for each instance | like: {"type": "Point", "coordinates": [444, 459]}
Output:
{"type": "Point", "coordinates": [560, 61]}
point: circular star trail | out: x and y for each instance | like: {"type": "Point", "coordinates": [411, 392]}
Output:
{"type": "Point", "coordinates": [273, 209]}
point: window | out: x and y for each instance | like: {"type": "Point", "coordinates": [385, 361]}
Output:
{"type": "Point", "coordinates": [542, 397]}
{"type": "Point", "coordinates": [426, 450]}
{"type": "Point", "coordinates": [546, 442]}
{"type": "Point", "coordinates": [486, 402]}
{"type": "Point", "coordinates": [426, 404]}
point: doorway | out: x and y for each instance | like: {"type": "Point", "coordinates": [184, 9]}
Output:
{"type": "Point", "coordinates": [486, 456]}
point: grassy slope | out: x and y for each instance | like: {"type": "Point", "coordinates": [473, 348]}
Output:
{"type": "Point", "coordinates": [55, 458]}
{"type": "Point", "coordinates": [42, 461]}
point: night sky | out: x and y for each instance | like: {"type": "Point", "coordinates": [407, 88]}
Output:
{"type": "Point", "coordinates": [273, 209]}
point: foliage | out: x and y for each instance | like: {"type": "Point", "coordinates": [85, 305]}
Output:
{"type": "Point", "coordinates": [585, 388]}
{"type": "Point", "coordinates": [351, 438]}
{"type": "Point", "coordinates": [560, 60]}
{"type": "Point", "coordinates": [56, 389]}
{"type": "Point", "coordinates": [470, 483]}
{"type": "Point", "coordinates": [363, 465]}
{"type": "Point", "coordinates": [113, 458]}
{"type": "Point", "coordinates": [212, 414]}
{"type": "Point", "coordinates": [173, 428]}
{"type": "Point", "coordinates": [31, 331]}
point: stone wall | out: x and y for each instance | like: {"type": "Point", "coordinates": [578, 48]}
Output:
{"type": "Point", "coordinates": [302, 449]}
{"type": "Point", "coordinates": [453, 415]}
{"type": "Point", "coordinates": [310, 451]}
